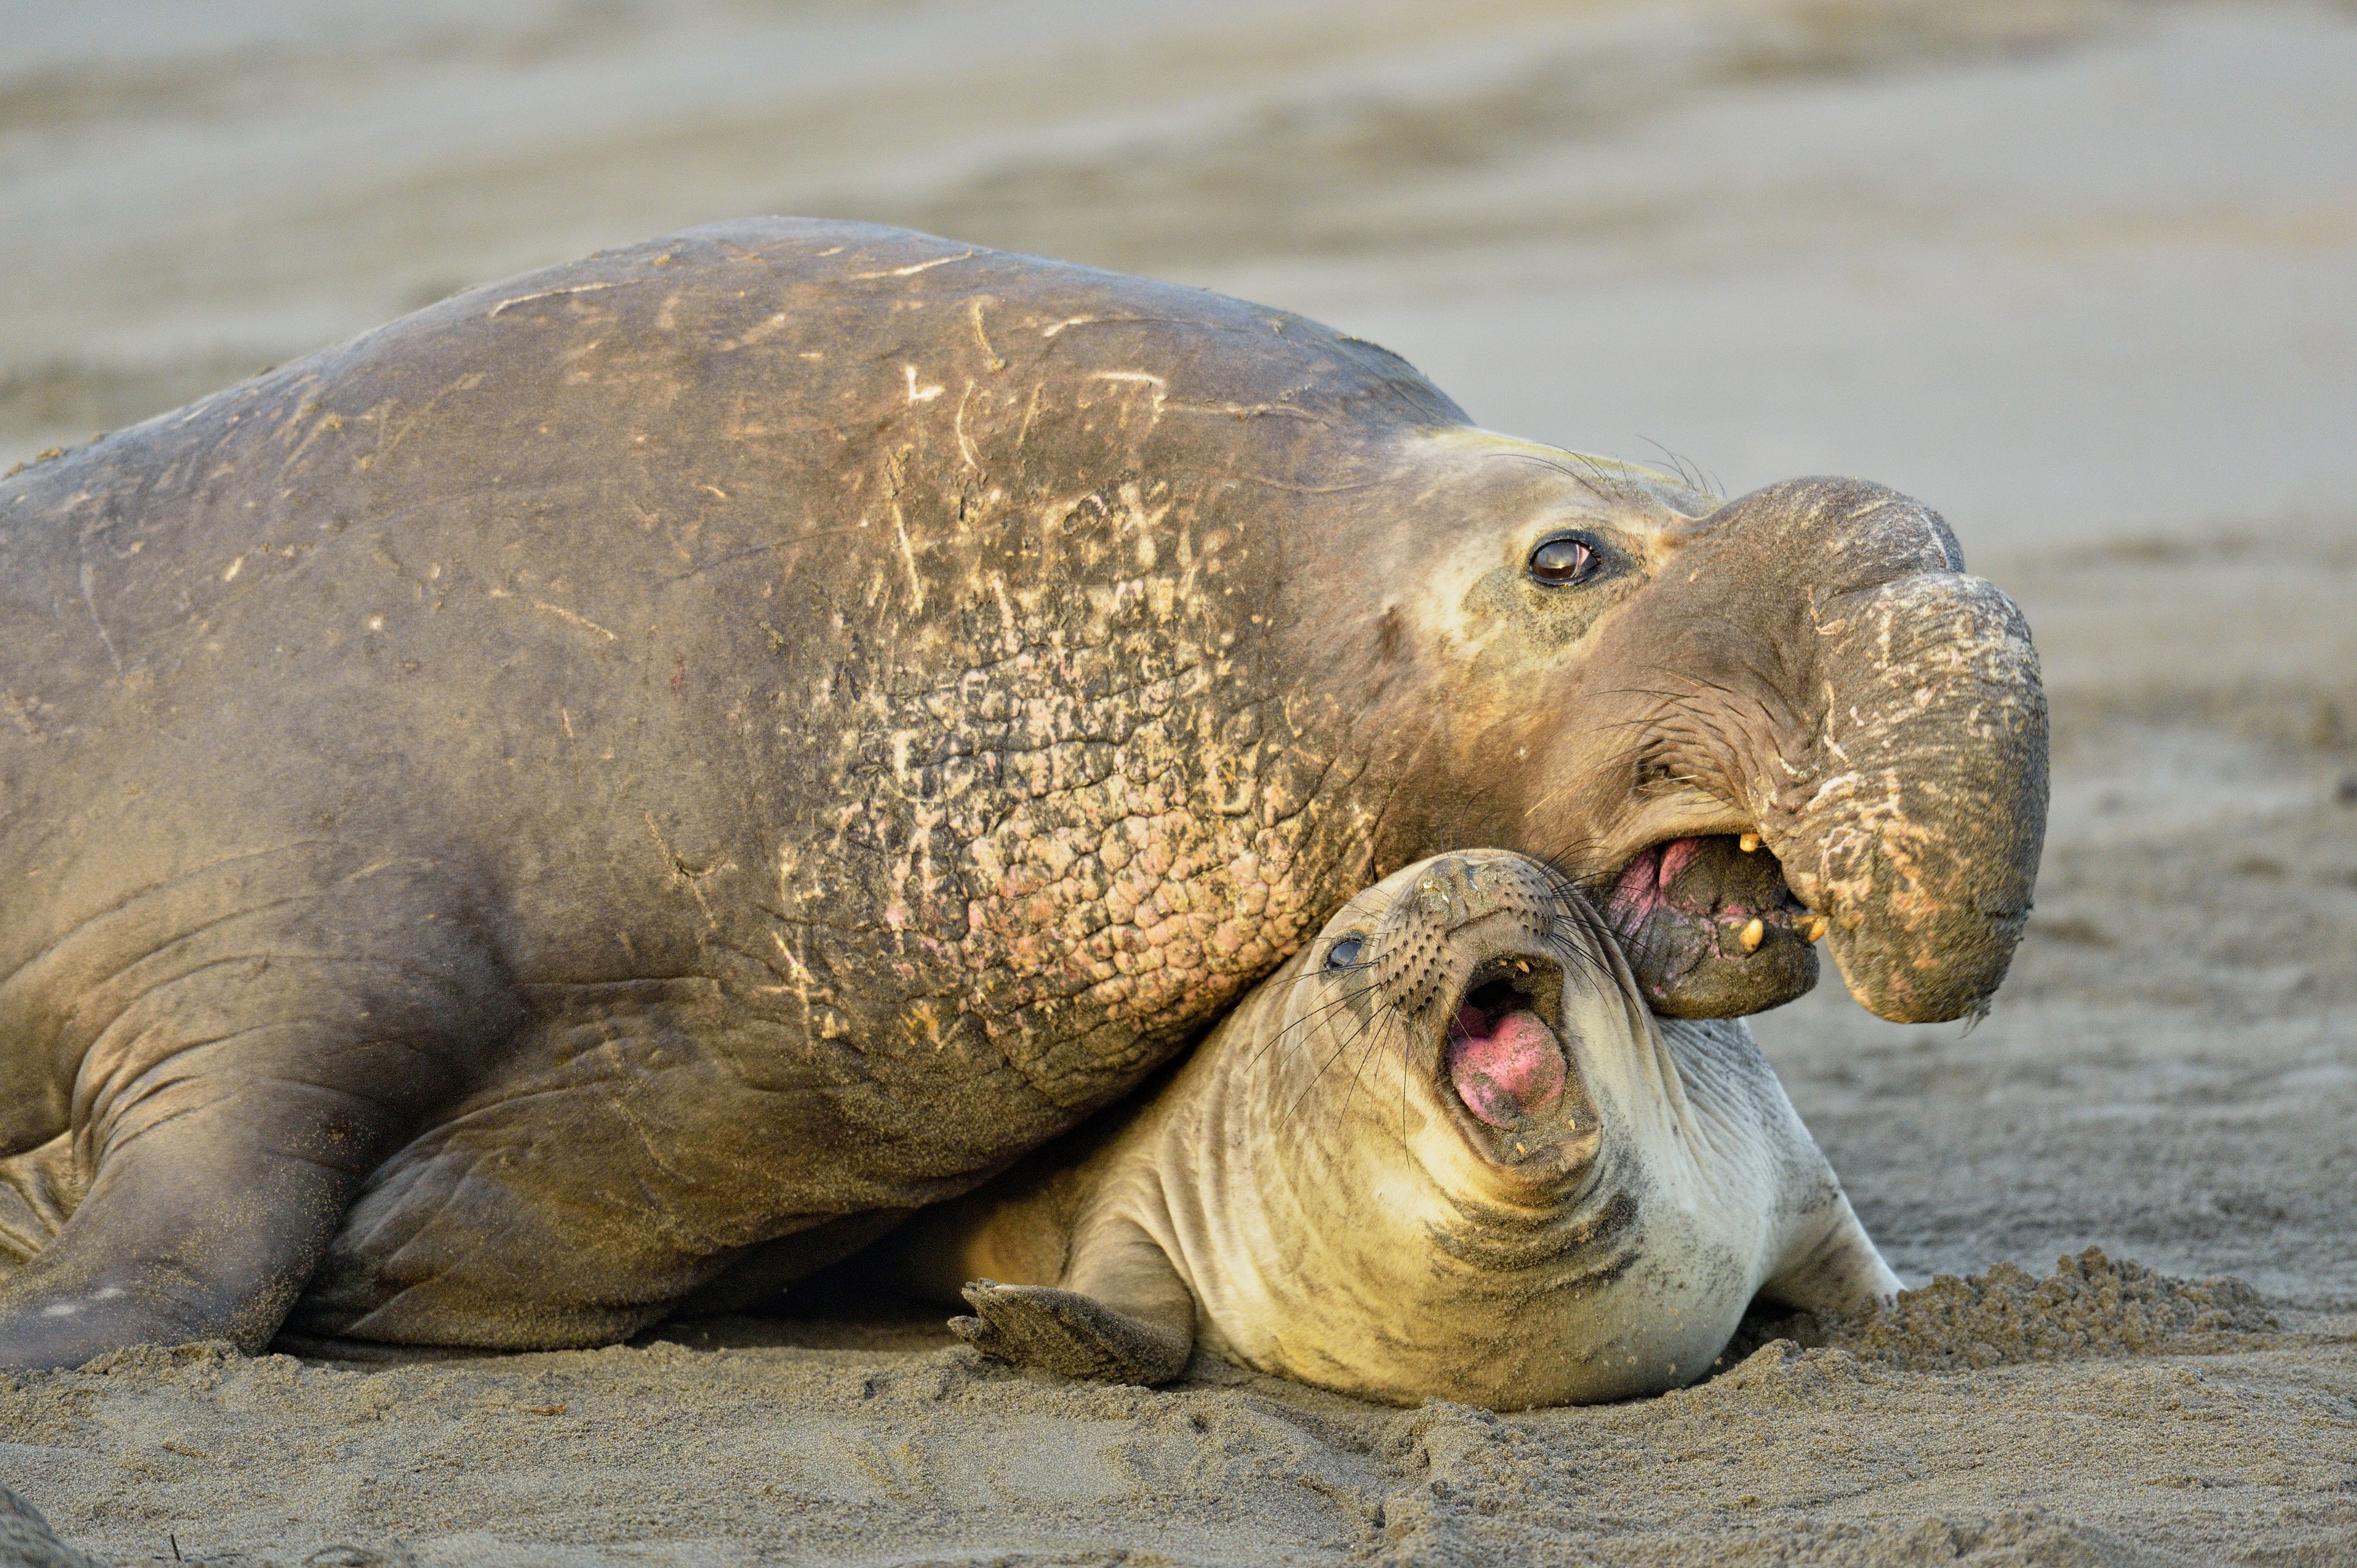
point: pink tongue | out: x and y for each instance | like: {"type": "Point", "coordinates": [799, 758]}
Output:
{"type": "Point", "coordinates": [1507, 1073]}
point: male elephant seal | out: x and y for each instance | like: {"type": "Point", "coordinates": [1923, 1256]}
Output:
{"type": "Point", "coordinates": [1446, 1152]}
{"type": "Point", "coordinates": [646, 771]}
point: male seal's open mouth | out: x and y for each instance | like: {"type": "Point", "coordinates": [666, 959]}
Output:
{"type": "Point", "coordinates": [1710, 928]}
{"type": "Point", "coordinates": [1502, 1055]}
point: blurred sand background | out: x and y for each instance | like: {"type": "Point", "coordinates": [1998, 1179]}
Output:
{"type": "Point", "coordinates": [2082, 274]}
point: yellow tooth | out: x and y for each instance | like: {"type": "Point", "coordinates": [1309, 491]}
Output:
{"type": "Point", "coordinates": [1748, 843]}
{"type": "Point", "coordinates": [1815, 928]}
{"type": "Point", "coordinates": [1754, 934]}
{"type": "Point", "coordinates": [1523, 964]}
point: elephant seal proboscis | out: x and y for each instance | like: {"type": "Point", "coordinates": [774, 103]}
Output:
{"type": "Point", "coordinates": [1447, 1152]}
{"type": "Point", "coordinates": [602, 793]}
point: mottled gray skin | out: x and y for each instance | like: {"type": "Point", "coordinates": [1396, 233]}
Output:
{"type": "Point", "coordinates": [659, 766]}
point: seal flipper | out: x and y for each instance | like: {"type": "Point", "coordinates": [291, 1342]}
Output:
{"type": "Point", "coordinates": [204, 1226]}
{"type": "Point", "coordinates": [1064, 1331]}
{"type": "Point", "coordinates": [1830, 1264]}
{"type": "Point", "coordinates": [39, 1191]}
{"type": "Point", "coordinates": [240, 1075]}
{"type": "Point", "coordinates": [1130, 1320]}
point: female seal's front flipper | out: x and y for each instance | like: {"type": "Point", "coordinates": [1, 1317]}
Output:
{"type": "Point", "coordinates": [1829, 1264]}
{"type": "Point", "coordinates": [1128, 1318]}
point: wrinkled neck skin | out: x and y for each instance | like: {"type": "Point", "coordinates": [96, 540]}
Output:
{"type": "Point", "coordinates": [1335, 713]}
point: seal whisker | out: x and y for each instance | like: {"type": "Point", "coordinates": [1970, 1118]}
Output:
{"type": "Point", "coordinates": [1689, 475]}
{"type": "Point", "coordinates": [1374, 1041]}
{"type": "Point", "coordinates": [1391, 1015]}
{"type": "Point", "coordinates": [1716, 735]}
{"type": "Point", "coordinates": [1320, 1073]}
{"type": "Point", "coordinates": [1314, 1014]}
{"type": "Point", "coordinates": [1762, 691]}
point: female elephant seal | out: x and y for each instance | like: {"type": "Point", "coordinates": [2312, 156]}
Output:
{"type": "Point", "coordinates": [641, 773]}
{"type": "Point", "coordinates": [1445, 1152]}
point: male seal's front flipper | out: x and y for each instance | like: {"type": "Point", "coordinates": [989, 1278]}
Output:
{"type": "Point", "coordinates": [1129, 1318]}
{"type": "Point", "coordinates": [203, 1228]}
{"type": "Point", "coordinates": [215, 1195]}
{"type": "Point", "coordinates": [235, 1082]}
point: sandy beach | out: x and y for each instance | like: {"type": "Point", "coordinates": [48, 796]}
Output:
{"type": "Point", "coordinates": [2083, 275]}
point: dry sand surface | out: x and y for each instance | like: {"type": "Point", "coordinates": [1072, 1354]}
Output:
{"type": "Point", "coordinates": [2084, 275]}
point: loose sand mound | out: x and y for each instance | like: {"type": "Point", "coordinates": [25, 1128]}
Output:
{"type": "Point", "coordinates": [2090, 1305]}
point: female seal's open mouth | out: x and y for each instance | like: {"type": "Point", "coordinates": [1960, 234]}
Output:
{"type": "Point", "coordinates": [1502, 1055]}
{"type": "Point", "coordinates": [1710, 928]}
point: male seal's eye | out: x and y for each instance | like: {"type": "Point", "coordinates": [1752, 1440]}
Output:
{"type": "Point", "coordinates": [1344, 953]}
{"type": "Point", "coordinates": [1560, 560]}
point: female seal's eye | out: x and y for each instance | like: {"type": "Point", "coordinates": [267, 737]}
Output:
{"type": "Point", "coordinates": [1344, 953]}
{"type": "Point", "coordinates": [1560, 560]}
